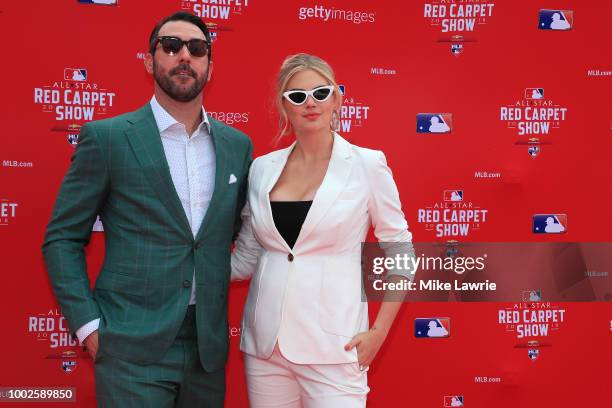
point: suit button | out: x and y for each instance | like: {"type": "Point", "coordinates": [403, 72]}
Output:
{"type": "Point", "coordinates": [290, 257]}
{"type": "Point", "coordinates": [196, 246]}
{"type": "Point", "coordinates": [186, 284]}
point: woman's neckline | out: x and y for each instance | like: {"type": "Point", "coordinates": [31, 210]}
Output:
{"type": "Point", "coordinates": [291, 201]}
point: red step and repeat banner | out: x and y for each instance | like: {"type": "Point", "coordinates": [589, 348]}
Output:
{"type": "Point", "coordinates": [495, 117]}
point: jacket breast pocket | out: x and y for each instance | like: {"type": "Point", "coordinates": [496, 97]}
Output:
{"type": "Point", "coordinates": [349, 195]}
{"type": "Point", "coordinates": [340, 306]}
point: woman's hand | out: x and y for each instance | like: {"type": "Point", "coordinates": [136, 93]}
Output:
{"type": "Point", "coordinates": [367, 343]}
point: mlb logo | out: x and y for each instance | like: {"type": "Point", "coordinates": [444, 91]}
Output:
{"type": "Point", "coordinates": [452, 252]}
{"type": "Point", "coordinates": [213, 36]}
{"type": "Point", "coordinates": [533, 354]}
{"type": "Point", "coordinates": [452, 249]}
{"type": "Point", "coordinates": [456, 49]}
{"type": "Point", "coordinates": [532, 296]}
{"type": "Point", "coordinates": [533, 151]}
{"type": "Point", "coordinates": [434, 123]}
{"type": "Point", "coordinates": [432, 327]}
{"type": "Point", "coordinates": [453, 195]}
{"type": "Point", "coordinates": [75, 74]}
{"type": "Point", "coordinates": [560, 20]}
{"type": "Point", "coordinates": [342, 90]}
{"type": "Point", "coordinates": [534, 93]}
{"type": "Point", "coordinates": [453, 401]}
{"type": "Point", "coordinates": [73, 138]}
{"type": "Point", "coordinates": [549, 223]}
{"type": "Point", "coordinates": [69, 366]}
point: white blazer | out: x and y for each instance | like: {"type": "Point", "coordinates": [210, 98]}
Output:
{"type": "Point", "coordinates": [309, 298]}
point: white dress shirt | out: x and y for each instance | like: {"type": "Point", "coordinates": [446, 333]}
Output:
{"type": "Point", "coordinates": [192, 164]}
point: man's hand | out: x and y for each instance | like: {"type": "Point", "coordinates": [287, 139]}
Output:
{"type": "Point", "coordinates": [91, 344]}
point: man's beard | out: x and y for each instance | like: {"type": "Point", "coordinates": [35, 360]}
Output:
{"type": "Point", "coordinates": [176, 91]}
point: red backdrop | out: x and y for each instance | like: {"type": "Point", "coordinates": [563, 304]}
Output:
{"type": "Point", "coordinates": [394, 59]}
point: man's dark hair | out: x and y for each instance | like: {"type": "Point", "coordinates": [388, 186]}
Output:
{"type": "Point", "coordinates": [180, 16]}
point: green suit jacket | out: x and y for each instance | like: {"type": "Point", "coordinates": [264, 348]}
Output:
{"type": "Point", "coordinates": [119, 170]}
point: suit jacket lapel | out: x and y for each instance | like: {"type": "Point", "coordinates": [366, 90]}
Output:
{"type": "Point", "coordinates": [145, 140]}
{"type": "Point", "coordinates": [222, 155]}
{"type": "Point", "coordinates": [336, 177]}
{"type": "Point", "coordinates": [272, 173]}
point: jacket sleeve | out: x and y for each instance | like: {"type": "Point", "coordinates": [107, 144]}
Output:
{"type": "Point", "coordinates": [247, 249]}
{"type": "Point", "coordinates": [242, 194]}
{"type": "Point", "coordinates": [385, 207]}
{"type": "Point", "coordinates": [81, 196]}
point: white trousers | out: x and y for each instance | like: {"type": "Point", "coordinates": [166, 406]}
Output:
{"type": "Point", "coordinates": [279, 383]}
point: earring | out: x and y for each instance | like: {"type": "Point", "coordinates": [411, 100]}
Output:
{"type": "Point", "coordinates": [334, 124]}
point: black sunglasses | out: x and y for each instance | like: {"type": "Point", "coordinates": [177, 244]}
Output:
{"type": "Point", "coordinates": [173, 45]}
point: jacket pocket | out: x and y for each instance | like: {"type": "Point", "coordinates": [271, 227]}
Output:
{"type": "Point", "coordinates": [340, 306]}
{"type": "Point", "coordinates": [121, 298]}
{"type": "Point", "coordinates": [121, 283]}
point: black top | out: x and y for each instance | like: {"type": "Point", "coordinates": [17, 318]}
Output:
{"type": "Point", "coordinates": [289, 217]}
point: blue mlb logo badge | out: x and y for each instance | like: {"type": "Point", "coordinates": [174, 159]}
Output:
{"type": "Point", "coordinates": [456, 49]}
{"type": "Point", "coordinates": [549, 223]}
{"type": "Point", "coordinates": [453, 195]}
{"type": "Point", "coordinates": [75, 74]}
{"type": "Point", "coordinates": [453, 401]}
{"type": "Point", "coordinates": [73, 138]}
{"type": "Point", "coordinates": [432, 327]}
{"type": "Point", "coordinates": [69, 366]}
{"type": "Point", "coordinates": [534, 93]}
{"type": "Point", "coordinates": [560, 20]}
{"type": "Point", "coordinates": [434, 123]}
{"type": "Point", "coordinates": [533, 151]}
{"type": "Point", "coordinates": [532, 296]}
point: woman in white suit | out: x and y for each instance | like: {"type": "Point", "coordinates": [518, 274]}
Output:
{"type": "Point", "coordinates": [305, 332]}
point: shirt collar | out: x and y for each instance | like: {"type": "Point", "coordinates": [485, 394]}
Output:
{"type": "Point", "coordinates": [164, 119]}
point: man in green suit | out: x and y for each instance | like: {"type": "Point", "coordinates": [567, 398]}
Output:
{"type": "Point", "coordinates": [169, 184]}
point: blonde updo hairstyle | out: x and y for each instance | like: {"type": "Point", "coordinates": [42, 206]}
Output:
{"type": "Point", "coordinates": [291, 66]}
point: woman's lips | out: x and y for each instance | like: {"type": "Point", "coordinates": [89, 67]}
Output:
{"type": "Point", "coordinates": [312, 116]}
